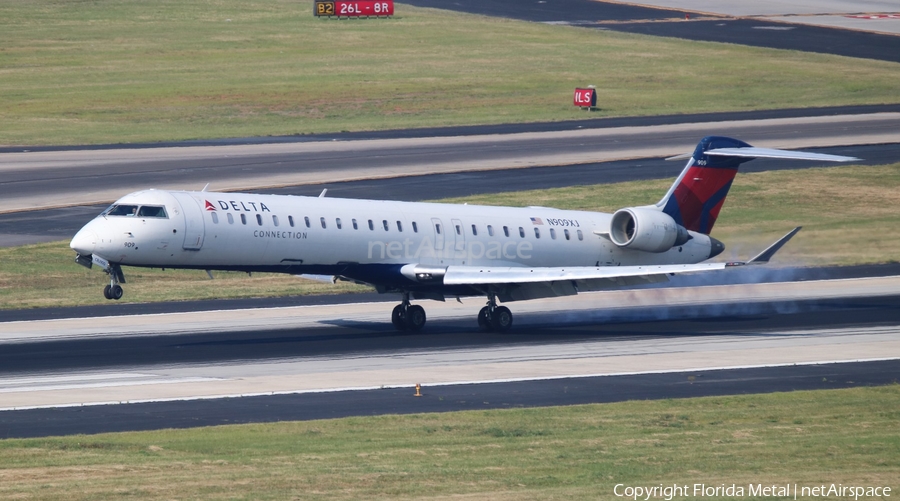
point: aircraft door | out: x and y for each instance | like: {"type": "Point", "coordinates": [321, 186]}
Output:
{"type": "Point", "coordinates": [439, 231]}
{"type": "Point", "coordinates": [194, 227]}
{"type": "Point", "coordinates": [459, 234]}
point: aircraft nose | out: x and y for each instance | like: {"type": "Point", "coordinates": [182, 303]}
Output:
{"type": "Point", "coordinates": [84, 242]}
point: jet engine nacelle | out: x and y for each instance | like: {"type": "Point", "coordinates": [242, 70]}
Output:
{"type": "Point", "coordinates": [646, 229]}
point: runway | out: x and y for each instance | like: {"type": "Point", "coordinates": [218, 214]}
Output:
{"type": "Point", "coordinates": [316, 354]}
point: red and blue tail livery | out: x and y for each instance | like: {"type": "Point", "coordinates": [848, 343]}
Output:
{"type": "Point", "coordinates": [697, 196]}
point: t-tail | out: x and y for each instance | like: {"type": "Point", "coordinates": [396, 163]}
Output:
{"type": "Point", "coordinates": [696, 198]}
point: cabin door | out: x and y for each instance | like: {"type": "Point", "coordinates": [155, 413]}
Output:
{"type": "Point", "coordinates": [194, 229]}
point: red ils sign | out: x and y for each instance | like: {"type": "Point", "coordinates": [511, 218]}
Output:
{"type": "Point", "coordinates": [585, 98]}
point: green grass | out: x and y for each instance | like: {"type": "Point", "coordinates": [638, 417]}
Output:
{"type": "Point", "coordinates": [109, 71]}
{"type": "Point", "coordinates": [576, 452]}
{"type": "Point", "coordinates": [848, 214]}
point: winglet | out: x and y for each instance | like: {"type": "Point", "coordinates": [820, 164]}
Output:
{"type": "Point", "coordinates": [764, 256]}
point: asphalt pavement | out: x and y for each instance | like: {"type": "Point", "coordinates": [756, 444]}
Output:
{"type": "Point", "coordinates": [675, 23]}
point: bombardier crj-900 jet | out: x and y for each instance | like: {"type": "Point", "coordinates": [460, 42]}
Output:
{"type": "Point", "coordinates": [430, 250]}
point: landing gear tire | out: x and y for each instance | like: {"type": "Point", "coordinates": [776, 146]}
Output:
{"type": "Point", "coordinates": [407, 316]}
{"type": "Point", "coordinates": [398, 317]}
{"type": "Point", "coordinates": [114, 290]}
{"type": "Point", "coordinates": [501, 319]}
{"type": "Point", "coordinates": [484, 320]}
{"type": "Point", "coordinates": [415, 318]}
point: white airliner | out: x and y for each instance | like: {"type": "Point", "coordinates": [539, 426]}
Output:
{"type": "Point", "coordinates": [429, 250]}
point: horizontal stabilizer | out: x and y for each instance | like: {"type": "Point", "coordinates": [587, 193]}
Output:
{"type": "Point", "coordinates": [754, 152]}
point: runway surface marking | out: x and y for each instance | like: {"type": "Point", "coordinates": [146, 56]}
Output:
{"type": "Point", "coordinates": [601, 144]}
{"type": "Point", "coordinates": [615, 351]}
{"type": "Point", "coordinates": [84, 381]}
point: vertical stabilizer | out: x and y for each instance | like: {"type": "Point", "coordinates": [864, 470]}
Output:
{"type": "Point", "coordinates": [697, 196]}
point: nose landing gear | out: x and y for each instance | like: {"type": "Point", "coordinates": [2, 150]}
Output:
{"type": "Point", "coordinates": [114, 290]}
{"type": "Point", "coordinates": [408, 316]}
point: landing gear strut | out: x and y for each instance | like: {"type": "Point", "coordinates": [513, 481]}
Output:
{"type": "Point", "coordinates": [408, 316]}
{"type": "Point", "coordinates": [493, 317]}
{"type": "Point", "coordinates": [114, 290]}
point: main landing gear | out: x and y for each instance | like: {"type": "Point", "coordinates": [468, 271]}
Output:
{"type": "Point", "coordinates": [114, 290]}
{"type": "Point", "coordinates": [411, 317]}
{"type": "Point", "coordinates": [494, 318]}
{"type": "Point", "coordinates": [408, 316]}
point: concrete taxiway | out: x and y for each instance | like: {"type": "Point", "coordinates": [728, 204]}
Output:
{"type": "Point", "coordinates": [854, 29]}
{"type": "Point", "coordinates": [44, 179]}
{"type": "Point", "coordinates": [879, 16]}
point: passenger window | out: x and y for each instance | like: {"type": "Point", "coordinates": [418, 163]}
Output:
{"type": "Point", "coordinates": [291, 221]}
{"type": "Point", "coordinates": [337, 221]}
{"type": "Point", "coordinates": [521, 232]}
{"type": "Point", "coordinates": [371, 225]}
{"type": "Point", "coordinates": [399, 227]}
{"type": "Point", "coordinates": [274, 219]}
{"type": "Point", "coordinates": [506, 230]}
{"type": "Point", "coordinates": [153, 211]}
{"type": "Point", "coordinates": [355, 226]}
{"type": "Point", "coordinates": [243, 219]}
{"type": "Point", "coordinates": [215, 217]}
{"type": "Point", "coordinates": [384, 222]}
{"type": "Point", "coordinates": [458, 230]}
{"type": "Point", "coordinates": [537, 233]}
{"type": "Point", "coordinates": [322, 219]}
{"type": "Point", "coordinates": [259, 219]}
{"type": "Point", "coordinates": [474, 231]}
{"type": "Point", "coordinates": [490, 231]}
{"type": "Point", "coordinates": [566, 233]}
{"type": "Point", "coordinates": [580, 235]}
{"type": "Point", "coordinates": [306, 220]}
{"type": "Point", "coordinates": [437, 228]}
{"type": "Point", "coordinates": [552, 233]}
{"type": "Point", "coordinates": [415, 227]}
{"type": "Point", "coordinates": [230, 218]}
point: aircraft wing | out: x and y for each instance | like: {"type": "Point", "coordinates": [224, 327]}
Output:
{"type": "Point", "coordinates": [478, 275]}
{"type": "Point", "coordinates": [519, 283]}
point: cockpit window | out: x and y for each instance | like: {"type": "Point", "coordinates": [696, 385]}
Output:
{"type": "Point", "coordinates": [134, 210]}
{"type": "Point", "coordinates": [152, 211]}
{"type": "Point", "coordinates": [121, 210]}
